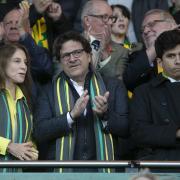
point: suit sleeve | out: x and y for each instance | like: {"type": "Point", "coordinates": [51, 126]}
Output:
{"type": "Point", "coordinates": [117, 115]}
{"type": "Point", "coordinates": [137, 70]}
{"type": "Point", "coordinates": [41, 63]}
{"type": "Point", "coordinates": [47, 125]}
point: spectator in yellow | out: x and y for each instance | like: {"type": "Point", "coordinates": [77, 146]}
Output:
{"type": "Point", "coordinates": [15, 115]}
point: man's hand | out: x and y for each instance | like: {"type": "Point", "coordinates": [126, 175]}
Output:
{"type": "Point", "coordinates": [42, 5]}
{"type": "Point", "coordinates": [80, 105]}
{"type": "Point", "coordinates": [24, 151]}
{"type": "Point", "coordinates": [23, 24]}
{"type": "Point", "coordinates": [101, 104]}
{"type": "Point", "coordinates": [54, 11]}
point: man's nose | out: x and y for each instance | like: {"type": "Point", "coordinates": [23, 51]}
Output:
{"type": "Point", "coordinates": [146, 29]}
{"type": "Point", "coordinates": [72, 58]}
{"type": "Point", "coordinates": [177, 61]}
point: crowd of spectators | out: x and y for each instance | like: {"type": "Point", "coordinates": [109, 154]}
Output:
{"type": "Point", "coordinates": [66, 69]}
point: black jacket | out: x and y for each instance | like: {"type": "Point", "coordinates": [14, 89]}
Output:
{"type": "Point", "coordinates": [138, 70]}
{"type": "Point", "coordinates": [48, 127]}
{"type": "Point", "coordinates": [155, 118]}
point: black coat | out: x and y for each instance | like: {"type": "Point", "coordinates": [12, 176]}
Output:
{"type": "Point", "coordinates": [48, 127]}
{"type": "Point", "coordinates": [155, 118]}
{"type": "Point", "coordinates": [138, 70]}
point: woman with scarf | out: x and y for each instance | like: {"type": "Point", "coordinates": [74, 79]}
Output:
{"type": "Point", "coordinates": [15, 115]}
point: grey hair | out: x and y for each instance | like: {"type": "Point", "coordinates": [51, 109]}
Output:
{"type": "Point", "coordinates": [164, 14]}
{"type": "Point", "coordinates": [87, 9]}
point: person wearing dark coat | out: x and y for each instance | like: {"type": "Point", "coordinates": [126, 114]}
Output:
{"type": "Point", "coordinates": [142, 65]}
{"type": "Point", "coordinates": [154, 112]}
{"type": "Point", "coordinates": [82, 121]}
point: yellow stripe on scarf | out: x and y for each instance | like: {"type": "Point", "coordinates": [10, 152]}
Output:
{"type": "Point", "coordinates": [61, 112]}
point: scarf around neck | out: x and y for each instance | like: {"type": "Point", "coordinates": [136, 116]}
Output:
{"type": "Point", "coordinates": [64, 102]}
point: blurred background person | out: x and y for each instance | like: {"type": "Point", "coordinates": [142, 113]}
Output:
{"type": "Point", "coordinates": [119, 33]}
{"type": "Point", "coordinates": [97, 19]}
{"type": "Point", "coordinates": [15, 100]}
{"type": "Point", "coordinates": [128, 4]}
{"type": "Point", "coordinates": [175, 10]}
{"type": "Point", "coordinates": [142, 65]}
{"type": "Point", "coordinates": [139, 9]}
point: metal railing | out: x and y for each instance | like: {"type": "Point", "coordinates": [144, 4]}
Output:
{"type": "Point", "coordinates": [91, 164]}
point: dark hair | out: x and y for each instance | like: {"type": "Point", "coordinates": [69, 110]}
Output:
{"type": "Point", "coordinates": [166, 41]}
{"type": "Point", "coordinates": [6, 53]}
{"type": "Point", "coordinates": [70, 36]}
{"type": "Point", "coordinates": [124, 9]}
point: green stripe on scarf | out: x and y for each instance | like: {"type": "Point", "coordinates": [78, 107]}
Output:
{"type": "Point", "coordinates": [24, 120]}
{"type": "Point", "coordinates": [64, 102]}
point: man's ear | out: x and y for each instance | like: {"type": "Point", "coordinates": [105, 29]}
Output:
{"type": "Point", "coordinates": [160, 66]}
{"type": "Point", "coordinates": [159, 62]}
{"type": "Point", "coordinates": [86, 21]}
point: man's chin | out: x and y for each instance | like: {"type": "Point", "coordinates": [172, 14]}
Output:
{"type": "Point", "coordinates": [13, 39]}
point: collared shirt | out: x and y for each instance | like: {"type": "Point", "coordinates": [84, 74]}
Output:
{"type": "Point", "coordinates": [80, 91]}
{"type": "Point", "coordinates": [97, 51]}
{"type": "Point", "coordinates": [170, 79]}
{"type": "Point", "coordinates": [12, 108]}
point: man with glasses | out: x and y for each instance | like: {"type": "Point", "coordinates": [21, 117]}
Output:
{"type": "Point", "coordinates": [79, 115]}
{"type": "Point", "coordinates": [142, 65]}
{"type": "Point", "coordinates": [109, 58]}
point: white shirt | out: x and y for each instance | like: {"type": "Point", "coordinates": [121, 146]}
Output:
{"type": "Point", "coordinates": [80, 91]}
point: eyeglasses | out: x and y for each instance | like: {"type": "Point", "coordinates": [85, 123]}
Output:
{"type": "Point", "coordinates": [105, 18]}
{"type": "Point", "coordinates": [152, 24]}
{"type": "Point", "coordinates": [76, 53]}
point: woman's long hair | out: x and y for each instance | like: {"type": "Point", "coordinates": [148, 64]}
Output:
{"type": "Point", "coordinates": [6, 53]}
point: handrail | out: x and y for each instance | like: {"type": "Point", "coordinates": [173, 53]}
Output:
{"type": "Point", "coordinates": [92, 164]}
{"type": "Point", "coordinates": [171, 164]}
{"type": "Point", "coordinates": [65, 164]}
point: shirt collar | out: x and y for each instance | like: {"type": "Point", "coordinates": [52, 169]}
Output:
{"type": "Point", "coordinates": [19, 93]}
{"type": "Point", "coordinates": [170, 79]}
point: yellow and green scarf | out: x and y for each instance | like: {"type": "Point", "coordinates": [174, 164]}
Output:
{"type": "Point", "coordinates": [64, 102]}
{"type": "Point", "coordinates": [24, 124]}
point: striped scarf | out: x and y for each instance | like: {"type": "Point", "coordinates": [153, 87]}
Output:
{"type": "Point", "coordinates": [24, 123]}
{"type": "Point", "coordinates": [39, 33]}
{"type": "Point", "coordinates": [64, 102]}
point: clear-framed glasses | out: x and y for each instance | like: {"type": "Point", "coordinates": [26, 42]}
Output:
{"type": "Point", "coordinates": [152, 24]}
{"type": "Point", "coordinates": [105, 18]}
{"type": "Point", "coordinates": [76, 53]}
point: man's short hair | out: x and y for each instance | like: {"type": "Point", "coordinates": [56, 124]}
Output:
{"type": "Point", "coordinates": [163, 14]}
{"type": "Point", "coordinates": [166, 41]}
{"type": "Point", "coordinates": [70, 36]}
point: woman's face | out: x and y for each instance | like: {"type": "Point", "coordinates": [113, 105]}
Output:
{"type": "Point", "coordinates": [16, 67]}
{"type": "Point", "coordinates": [120, 27]}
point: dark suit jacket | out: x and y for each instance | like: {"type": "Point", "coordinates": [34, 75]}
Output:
{"type": "Point", "coordinates": [155, 118]}
{"type": "Point", "coordinates": [48, 127]}
{"type": "Point", "coordinates": [138, 70]}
